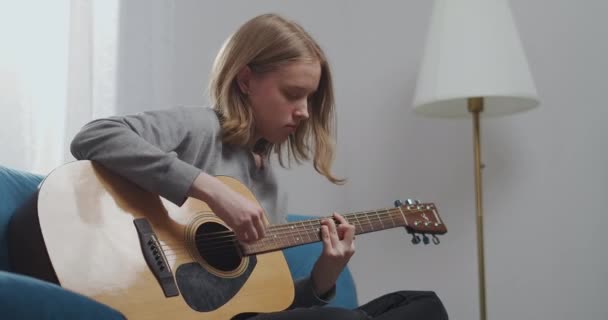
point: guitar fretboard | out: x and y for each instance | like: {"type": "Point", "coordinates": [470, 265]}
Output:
{"type": "Point", "coordinates": [298, 233]}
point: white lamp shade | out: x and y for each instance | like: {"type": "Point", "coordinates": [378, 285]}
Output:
{"type": "Point", "coordinates": [473, 50]}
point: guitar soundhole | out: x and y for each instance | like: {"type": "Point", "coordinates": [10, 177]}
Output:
{"type": "Point", "coordinates": [217, 246]}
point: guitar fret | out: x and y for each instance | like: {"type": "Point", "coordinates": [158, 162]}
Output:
{"type": "Point", "coordinates": [317, 230]}
{"type": "Point", "coordinates": [395, 217]}
{"type": "Point", "coordinates": [296, 229]}
{"type": "Point", "coordinates": [403, 216]}
{"type": "Point", "coordinates": [370, 222]}
{"type": "Point", "coordinates": [365, 227]}
{"type": "Point", "coordinates": [301, 227]}
{"type": "Point", "coordinates": [379, 219]}
{"type": "Point", "coordinates": [284, 238]}
{"type": "Point", "coordinates": [388, 214]}
{"type": "Point", "coordinates": [307, 230]}
{"type": "Point", "coordinates": [365, 224]}
{"type": "Point", "coordinates": [311, 235]}
{"type": "Point", "coordinates": [305, 235]}
{"type": "Point", "coordinates": [262, 244]}
{"type": "Point", "coordinates": [274, 238]}
{"type": "Point", "coordinates": [356, 223]}
{"type": "Point", "coordinates": [293, 234]}
{"type": "Point", "coordinates": [314, 228]}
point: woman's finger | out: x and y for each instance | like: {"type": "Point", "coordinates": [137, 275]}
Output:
{"type": "Point", "coordinates": [333, 232]}
{"type": "Point", "coordinates": [260, 228]}
{"type": "Point", "coordinates": [346, 230]}
{"type": "Point", "coordinates": [325, 238]}
{"type": "Point", "coordinates": [247, 234]}
{"type": "Point", "coordinates": [349, 233]}
{"type": "Point", "coordinates": [340, 218]}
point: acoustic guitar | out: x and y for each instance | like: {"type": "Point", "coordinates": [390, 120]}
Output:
{"type": "Point", "coordinates": [97, 234]}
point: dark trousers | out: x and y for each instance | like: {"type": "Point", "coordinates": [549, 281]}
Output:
{"type": "Point", "coordinates": [402, 305]}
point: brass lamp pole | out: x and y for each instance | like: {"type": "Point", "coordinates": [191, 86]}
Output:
{"type": "Point", "coordinates": [475, 106]}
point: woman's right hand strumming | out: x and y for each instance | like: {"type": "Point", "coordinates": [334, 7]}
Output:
{"type": "Point", "coordinates": [244, 216]}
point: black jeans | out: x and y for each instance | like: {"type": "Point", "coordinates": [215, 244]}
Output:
{"type": "Point", "coordinates": [403, 305]}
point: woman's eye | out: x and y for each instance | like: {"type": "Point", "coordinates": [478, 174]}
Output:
{"type": "Point", "coordinates": [292, 96]}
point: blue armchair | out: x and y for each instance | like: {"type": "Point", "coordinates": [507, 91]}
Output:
{"type": "Point", "coordinates": [23, 297]}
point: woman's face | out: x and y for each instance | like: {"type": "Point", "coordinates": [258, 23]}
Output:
{"type": "Point", "coordinates": [279, 99]}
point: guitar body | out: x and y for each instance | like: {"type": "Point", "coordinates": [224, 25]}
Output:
{"type": "Point", "coordinates": [80, 231]}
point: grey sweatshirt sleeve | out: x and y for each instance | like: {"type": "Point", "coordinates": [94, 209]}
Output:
{"type": "Point", "coordinates": [306, 297]}
{"type": "Point", "coordinates": [152, 149]}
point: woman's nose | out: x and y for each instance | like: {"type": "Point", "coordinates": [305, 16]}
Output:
{"type": "Point", "coordinates": [301, 111]}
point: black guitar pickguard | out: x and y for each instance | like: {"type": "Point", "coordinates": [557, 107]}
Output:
{"type": "Point", "coordinates": [204, 291]}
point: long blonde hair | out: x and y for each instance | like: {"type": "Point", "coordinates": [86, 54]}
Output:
{"type": "Point", "coordinates": [265, 43]}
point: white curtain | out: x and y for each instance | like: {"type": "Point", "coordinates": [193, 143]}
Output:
{"type": "Point", "coordinates": [57, 72]}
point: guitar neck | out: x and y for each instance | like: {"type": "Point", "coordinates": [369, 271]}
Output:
{"type": "Point", "coordinates": [293, 234]}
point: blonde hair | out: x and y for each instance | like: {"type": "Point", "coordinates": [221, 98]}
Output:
{"type": "Point", "coordinates": [266, 43]}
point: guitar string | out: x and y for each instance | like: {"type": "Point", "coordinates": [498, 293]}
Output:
{"type": "Point", "coordinates": [212, 247]}
{"type": "Point", "coordinates": [380, 217]}
{"type": "Point", "coordinates": [355, 216]}
{"type": "Point", "coordinates": [289, 228]}
{"type": "Point", "coordinates": [298, 230]}
{"type": "Point", "coordinates": [302, 229]}
{"type": "Point", "coordinates": [388, 219]}
{"type": "Point", "coordinates": [221, 245]}
{"type": "Point", "coordinates": [267, 245]}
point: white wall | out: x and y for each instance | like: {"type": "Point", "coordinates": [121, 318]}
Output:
{"type": "Point", "coordinates": [545, 184]}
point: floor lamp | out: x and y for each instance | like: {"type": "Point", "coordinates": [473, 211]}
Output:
{"type": "Point", "coordinates": [474, 66]}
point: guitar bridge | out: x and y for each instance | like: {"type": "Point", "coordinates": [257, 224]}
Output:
{"type": "Point", "coordinates": [155, 257]}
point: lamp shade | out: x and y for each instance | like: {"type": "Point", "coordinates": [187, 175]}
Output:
{"type": "Point", "coordinates": [473, 50]}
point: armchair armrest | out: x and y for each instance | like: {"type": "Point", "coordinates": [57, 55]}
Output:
{"type": "Point", "coordinates": [23, 297]}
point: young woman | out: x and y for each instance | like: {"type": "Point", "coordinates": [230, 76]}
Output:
{"type": "Point", "coordinates": [272, 93]}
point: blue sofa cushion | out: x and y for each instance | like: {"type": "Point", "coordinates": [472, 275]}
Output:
{"type": "Point", "coordinates": [301, 260]}
{"type": "Point", "coordinates": [23, 297]}
{"type": "Point", "coordinates": [15, 187]}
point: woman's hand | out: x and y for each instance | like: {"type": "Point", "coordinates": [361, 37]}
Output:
{"type": "Point", "coordinates": [338, 247]}
{"type": "Point", "coordinates": [242, 215]}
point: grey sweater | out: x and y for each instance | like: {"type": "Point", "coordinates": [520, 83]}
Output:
{"type": "Point", "coordinates": [164, 151]}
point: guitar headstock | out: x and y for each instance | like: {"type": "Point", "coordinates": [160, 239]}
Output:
{"type": "Point", "coordinates": [421, 218]}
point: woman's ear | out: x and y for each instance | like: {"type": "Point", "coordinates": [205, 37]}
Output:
{"type": "Point", "coordinates": [243, 79]}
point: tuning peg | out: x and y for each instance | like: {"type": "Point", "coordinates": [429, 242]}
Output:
{"type": "Point", "coordinates": [436, 240]}
{"type": "Point", "coordinates": [412, 201]}
{"type": "Point", "coordinates": [415, 238]}
{"type": "Point", "coordinates": [425, 239]}
{"type": "Point", "coordinates": [398, 203]}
